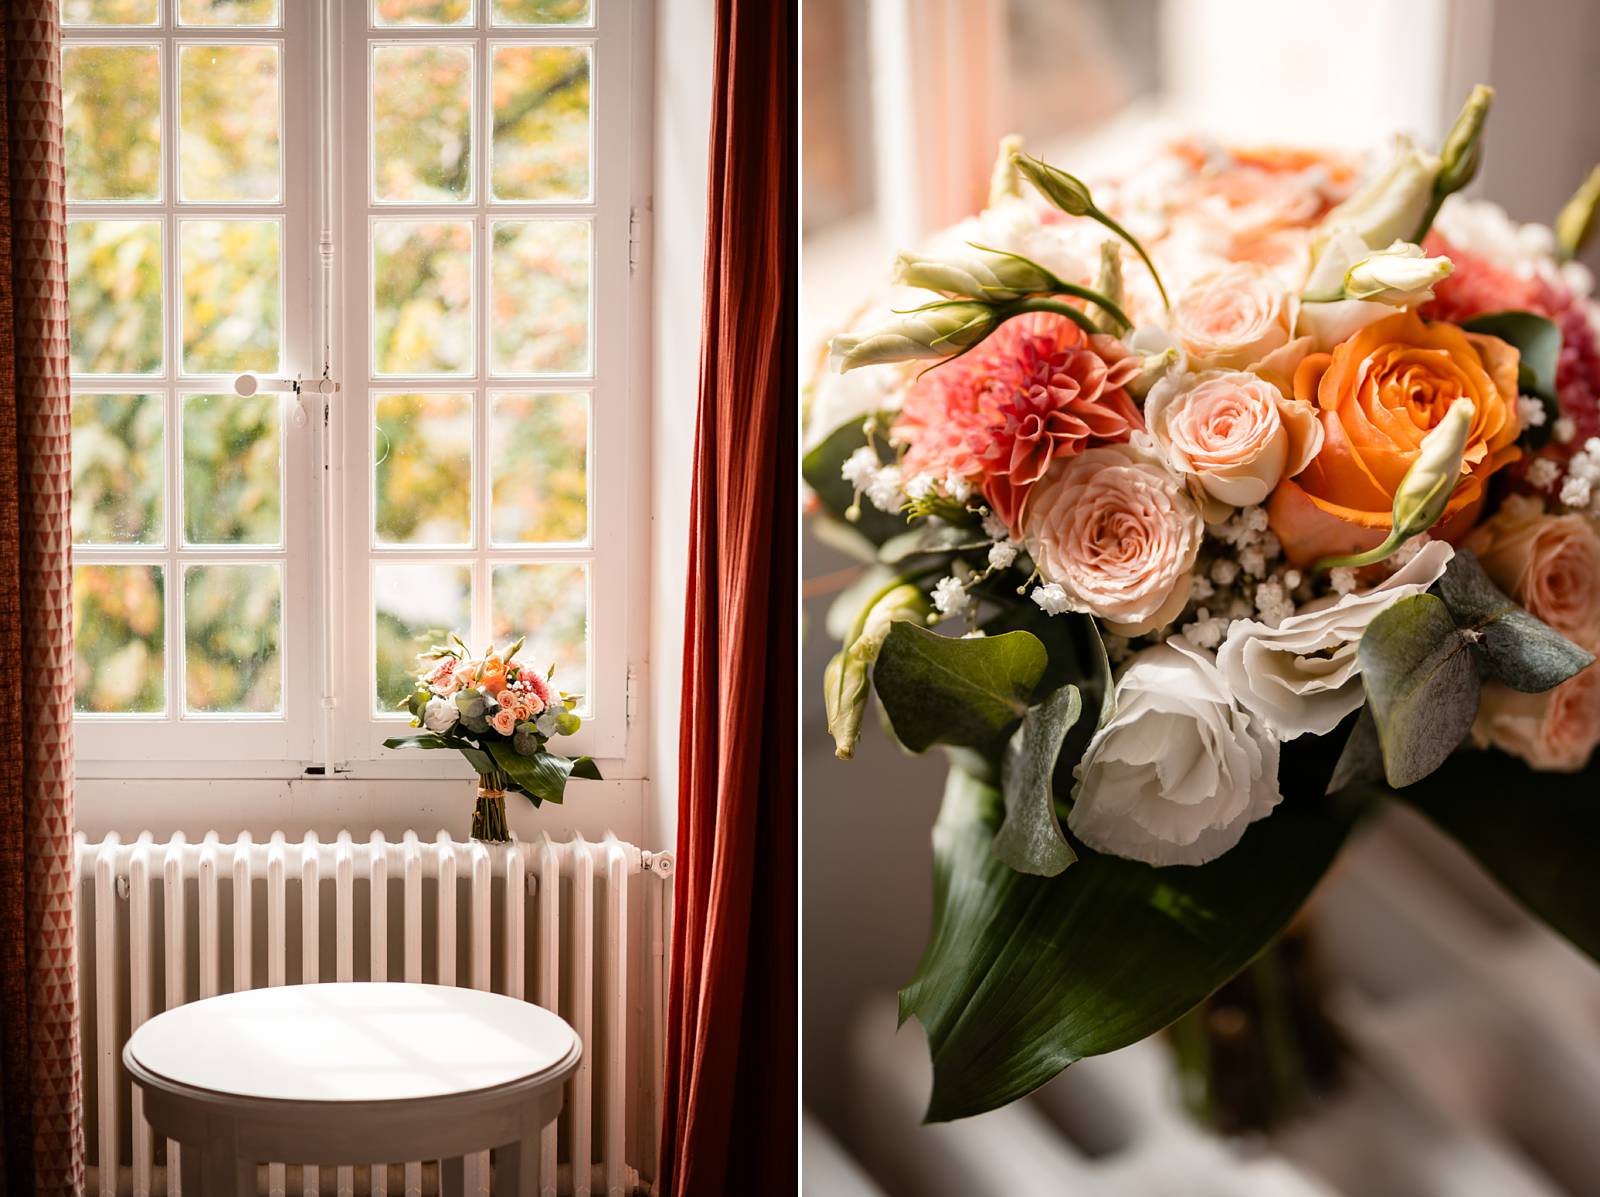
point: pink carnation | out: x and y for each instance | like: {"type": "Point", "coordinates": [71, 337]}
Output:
{"type": "Point", "coordinates": [1039, 389]}
{"type": "Point", "coordinates": [441, 676]}
{"type": "Point", "coordinates": [1476, 286]}
{"type": "Point", "coordinates": [537, 685]}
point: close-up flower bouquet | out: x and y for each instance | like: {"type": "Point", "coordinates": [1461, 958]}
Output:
{"type": "Point", "coordinates": [499, 715]}
{"type": "Point", "coordinates": [1203, 512]}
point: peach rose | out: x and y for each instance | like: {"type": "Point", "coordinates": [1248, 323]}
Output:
{"type": "Point", "coordinates": [1548, 563]}
{"type": "Point", "coordinates": [1117, 532]}
{"type": "Point", "coordinates": [1235, 317]}
{"type": "Point", "coordinates": [1377, 395]}
{"type": "Point", "coordinates": [504, 721]}
{"type": "Point", "coordinates": [1233, 433]}
{"type": "Point", "coordinates": [1555, 732]}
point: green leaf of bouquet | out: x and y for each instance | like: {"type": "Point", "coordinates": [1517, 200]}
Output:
{"type": "Point", "coordinates": [419, 740]}
{"type": "Point", "coordinates": [1025, 974]}
{"type": "Point", "coordinates": [1422, 685]}
{"type": "Point", "coordinates": [1512, 646]}
{"type": "Point", "coordinates": [542, 776]}
{"type": "Point", "coordinates": [1030, 839]}
{"type": "Point", "coordinates": [1538, 341]}
{"type": "Point", "coordinates": [1533, 832]}
{"type": "Point", "coordinates": [482, 763]}
{"type": "Point", "coordinates": [820, 468]}
{"type": "Point", "coordinates": [948, 690]}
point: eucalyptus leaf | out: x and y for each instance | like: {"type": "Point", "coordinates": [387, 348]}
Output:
{"type": "Point", "coordinates": [947, 690]}
{"type": "Point", "coordinates": [1025, 974]}
{"type": "Point", "coordinates": [821, 469]}
{"type": "Point", "coordinates": [1422, 684]}
{"type": "Point", "coordinates": [1030, 839]}
{"type": "Point", "coordinates": [1361, 761]}
{"type": "Point", "coordinates": [1512, 646]}
{"type": "Point", "coordinates": [1535, 833]}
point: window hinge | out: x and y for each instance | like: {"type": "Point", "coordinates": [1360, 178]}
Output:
{"type": "Point", "coordinates": [627, 701]}
{"type": "Point", "coordinates": [635, 235]}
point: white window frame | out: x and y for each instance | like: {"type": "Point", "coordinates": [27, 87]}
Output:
{"type": "Point", "coordinates": [327, 498]}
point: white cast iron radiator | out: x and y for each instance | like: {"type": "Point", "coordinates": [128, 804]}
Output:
{"type": "Point", "coordinates": [578, 927]}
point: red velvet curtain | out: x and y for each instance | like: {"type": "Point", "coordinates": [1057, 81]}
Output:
{"type": "Point", "coordinates": [729, 1124]}
{"type": "Point", "coordinates": [41, 1128]}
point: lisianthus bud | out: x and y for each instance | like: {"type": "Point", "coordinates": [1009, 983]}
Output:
{"type": "Point", "coordinates": [1391, 205]}
{"type": "Point", "coordinates": [981, 274]}
{"type": "Point", "coordinates": [845, 679]}
{"type": "Point", "coordinates": [1463, 145]}
{"type": "Point", "coordinates": [1067, 192]}
{"type": "Point", "coordinates": [937, 331]}
{"type": "Point", "coordinates": [1400, 276]}
{"type": "Point", "coordinates": [1003, 180]}
{"type": "Point", "coordinates": [1431, 480]}
{"type": "Point", "coordinates": [1576, 222]}
{"type": "Point", "coordinates": [1109, 284]}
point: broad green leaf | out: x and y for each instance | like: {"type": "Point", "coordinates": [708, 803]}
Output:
{"type": "Point", "coordinates": [419, 740]}
{"type": "Point", "coordinates": [542, 776]}
{"type": "Point", "coordinates": [1535, 833]}
{"type": "Point", "coordinates": [1025, 974]}
{"type": "Point", "coordinates": [1030, 839]}
{"type": "Point", "coordinates": [482, 763]}
{"type": "Point", "coordinates": [820, 468]}
{"type": "Point", "coordinates": [1512, 646]}
{"type": "Point", "coordinates": [948, 690]}
{"type": "Point", "coordinates": [1422, 685]}
{"type": "Point", "coordinates": [1538, 341]}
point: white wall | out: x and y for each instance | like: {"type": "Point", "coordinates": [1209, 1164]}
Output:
{"type": "Point", "coordinates": [684, 51]}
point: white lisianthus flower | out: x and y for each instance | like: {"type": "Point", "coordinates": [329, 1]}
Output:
{"type": "Point", "coordinates": [1400, 276]}
{"type": "Point", "coordinates": [440, 715]}
{"type": "Point", "coordinates": [1303, 676]}
{"type": "Point", "coordinates": [1179, 772]}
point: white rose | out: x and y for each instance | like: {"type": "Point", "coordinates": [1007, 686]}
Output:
{"type": "Point", "coordinates": [1304, 675]}
{"type": "Point", "coordinates": [440, 715]}
{"type": "Point", "coordinates": [1179, 772]}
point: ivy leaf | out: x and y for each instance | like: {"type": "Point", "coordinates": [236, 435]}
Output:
{"type": "Point", "coordinates": [1422, 685]}
{"type": "Point", "coordinates": [1030, 839]}
{"type": "Point", "coordinates": [1512, 646]}
{"type": "Point", "coordinates": [943, 690]}
{"type": "Point", "coordinates": [820, 468]}
{"type": "Point", "coordinates": [1025, 974]}
{"type": "Point", "coordinates": [1538, 341]}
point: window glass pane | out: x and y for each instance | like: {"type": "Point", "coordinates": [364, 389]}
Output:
{"type": "Point", "coordinates": [422, 464]}
{"type": "Point", "coordinates": [114, 284]}
{"type": "Point", "coordinates": [228, 123]}
{"type": "Point", "coordinates": [417, 607]}
{"type": "Point", "coordinates": [231, 304]}
{"type": "Point", "coordinates": [422, 12]}
{"type": "Point", "coordinates": [422, 123]}
{"type": "Point", "coordinates": [227, 12]}
{"type": "Point", "coordinates": [231, 476]}
{"type": "Point", "coordinates": [549, 604]}
{"type": "Point", "coordinates": [117, 469]}
{"type": "Point", "coordinates": [118, 634]}
{"type": "Point", "coordinates": [110, 12]}
{"type": "Point", "coordinates": [232, 638]}
{"type": "Point", "coordinates": [541, 12]}
{"type": "Point", "coordinates": [540, 305]}
{"type": "Point", "coordinates": [111, 97]}
{"type": "Point", "coordinates": [541, 122]}
{"type": "Point", "coordinates": [539, 446]}
{"type": "Point", "coordinates": [422, 297]}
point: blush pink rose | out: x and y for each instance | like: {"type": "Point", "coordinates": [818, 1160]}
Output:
{"type": "Point", "coordinates": [1548, 563]}
{"type": "Point", "coordinates": [1118, 533]}
{"type": "Point", "coordinates": [1555, 732]}
{"type": "Point", "coordinates": [504, 721]}
{"type": "Point", "coordinates": [1234, 318]}
{"type": "Point", "coordinates": [1234, 434]}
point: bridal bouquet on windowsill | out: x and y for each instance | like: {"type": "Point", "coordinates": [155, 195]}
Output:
{"type": "Point", "coordinates": [1207, 510]}
{"type": "Point", "coordinates": [499, 715]}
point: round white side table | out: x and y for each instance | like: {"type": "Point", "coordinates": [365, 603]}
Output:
{"type": "Point", "coordinates": [352, 1073]}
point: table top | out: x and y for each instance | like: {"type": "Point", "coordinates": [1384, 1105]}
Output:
{"type": "Point", "coordinates": [352, 1041]}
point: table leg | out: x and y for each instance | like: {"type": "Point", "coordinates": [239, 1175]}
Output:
{"type": "Point", "coordinates": [225, 1175]}
{"type": "Point", "coordinates": [516, 1169]}
{"type": "Point", "coordinates": [189, 1172]}
{"type": "Point", "coordinates": [453, 1177]}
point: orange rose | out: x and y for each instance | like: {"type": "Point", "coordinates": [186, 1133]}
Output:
{"type": "Point", "coordinates": [488, 674]}
{"type": "Point", "coordinates": [1377, 395]}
